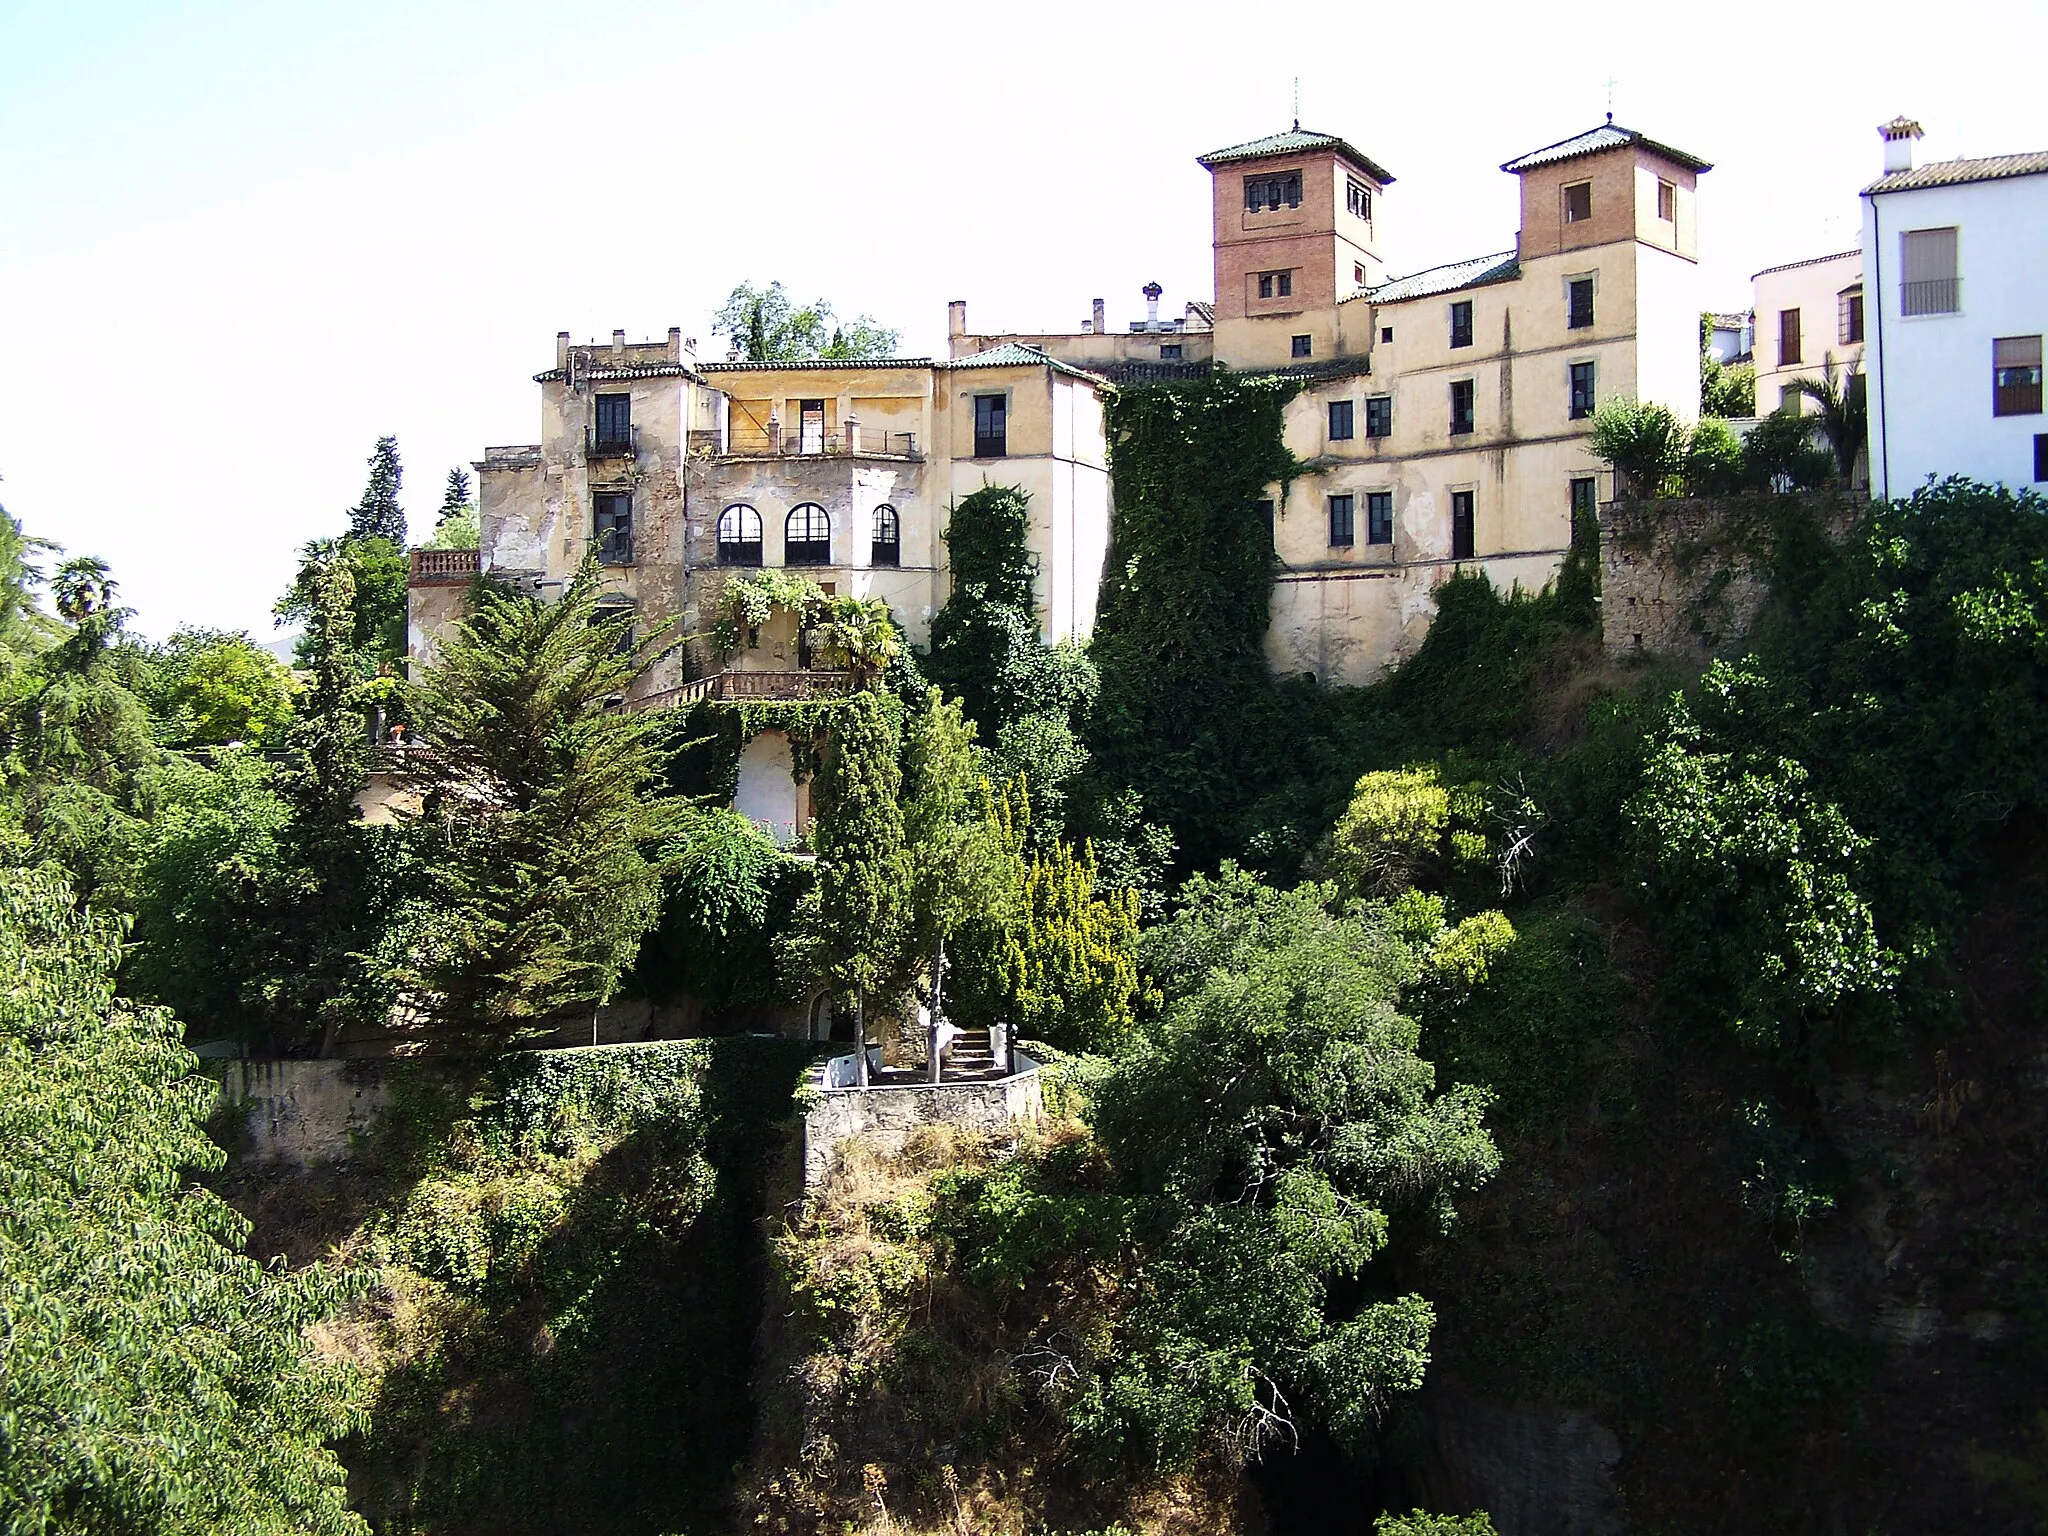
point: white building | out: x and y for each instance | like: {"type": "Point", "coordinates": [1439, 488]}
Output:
{"type": "Point", "coordinates": [1808, 314]}
{"type": "Point", "coordinates": [1957, 283]}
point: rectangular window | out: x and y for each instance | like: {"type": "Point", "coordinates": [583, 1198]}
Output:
{"type": "Point", "coordinates": [614, 421]}
{"type": "Point", "coordinates": [1578, 202]}
{"type": "Point", "coordinates": [1579, 303]}
{"type": "Point", "coordinates": [1169, 351]}
{"type": "Point", "coordinates": [1340, 522]}
{"type": "Point", "coordinates": [1265, 285]}
{"type": "Point", "coordinates": [1584, 495]}
{"type": "Point", "coordinates": [1264, 507]}
{"type": "Point", "coordinates": [1358, 198]}
{"type": "Point", "coordinates": [1789, 400]}
{"type": "Point", "coordinates": [1582, 391]}
{"type": "Point", "coordinates": [2016, 376]}
{"type": "Point", "coordinates": [1386, 333]}
{"type": "Point", "coordinates": [1379, 517]}
{"type": "Point", "coordinates": [1358, 273]}
{"type": "Point", "coordinates": [612, 528]}
{"type": "Point", "coordinates": [2041, 456]}
{"type": "Point", "coordinates": [1303, 345]}
{"type": "Point", "coordinates": [1461, 407]}
{"type": "Point", "coordinates": [991, 426]}
{"type": "Point", "coordinates": [1788, 337]}
{"type": "Point", "coordinates": [1667, 202]}
{"type": "Point", "coordinates": [1340, 420]}
{"type": "Point", "coordinates": [1379, 416]}
{"type": "Point", "coordinates": [1461, 525]}
{"type": "Point", "coordinates": [1276, 285]}
{"type": "Point", "coordinates": [1461, 323]}
{"type": "Point", "coordinates": [1930, 286]}
{"type": "Point", "coordinates": [1849, 315]}
{"type": "Point", "coordinates": [810, 426]}
{"type": "Point", "coordinates": [1272, 191]}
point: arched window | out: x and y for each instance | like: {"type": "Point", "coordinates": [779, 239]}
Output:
{"type": "Point", "coordinates": [739, 535]}
{"type": "Point", "coordinates": [807, 536]}
{"type": "Point", "coordinates": [887, 546]}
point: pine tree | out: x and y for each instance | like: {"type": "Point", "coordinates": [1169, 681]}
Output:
{"type": "Point", "coordinates": [378, 515]}
{"type": "Point", "coordinates": [454, 498]}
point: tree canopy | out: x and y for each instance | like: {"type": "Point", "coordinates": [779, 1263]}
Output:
{"type": "Point", "coordinates": [765, 325]}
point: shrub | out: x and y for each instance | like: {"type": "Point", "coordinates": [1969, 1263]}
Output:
{"type": "Point", "coordinates": [1713, 459]}
{"type": "Point", "coordinates": [1643, 442]}
{"type": "Point", "coordinates": [1780, 452]}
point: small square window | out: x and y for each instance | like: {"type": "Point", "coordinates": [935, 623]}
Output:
{"type": "Point", "coordinates": [1169, 351]}
{"type": "Point", "coordinates": [991, 426]}
{"type": "Point", "coordinates": [2041, 456]}
{"type": "Point", "coordinates": [1582, 391]}
{"type": "Point", "coordinates": [1340, 522]}
{"type": "Point", "coordinates": [1379, 416]}
{"type": "Point", "coordinates": [1578, 202]}
{"type": "Point", "coordinates": [1461, 407]}
{"type": "Point", "coordinates": [1386, 333]}
{"type": "Point", "coordinates": [1340, 420]}
{"type": "Point", "coordinates": [1667, 202]}
{"type": "Point", "coordinates": [1358, 273]}
{"type": "Point", "coordinates": [1461, 323]}
{"type": "Point", "coordinates": [1302, 345]}
{"type": "Point", "coordinates": [1579, 303]}
{"type": "Point", "coordinates": [1379, 517]}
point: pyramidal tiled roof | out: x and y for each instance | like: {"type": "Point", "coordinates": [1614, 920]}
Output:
{"type": "Point", "coordinates": [1457, 274]}
{"type": "Point", "coordinates": [1949, 173]}
{"type": "Point", "coordinates": [1608, 135]}
{"type": "Point", "coordinates": [1296, 140]}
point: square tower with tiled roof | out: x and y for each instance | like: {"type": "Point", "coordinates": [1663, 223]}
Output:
{"type": "Point", "coordinates": [1298, 219]}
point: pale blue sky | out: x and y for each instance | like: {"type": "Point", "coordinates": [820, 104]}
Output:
{"type": "Point", "coordinates": [238, 241]}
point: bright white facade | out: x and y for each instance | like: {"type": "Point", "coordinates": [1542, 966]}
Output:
{"type": "Point", "coordinates": [1955, 262]}
{"type": "Point", "coordinates": [1808, 314]}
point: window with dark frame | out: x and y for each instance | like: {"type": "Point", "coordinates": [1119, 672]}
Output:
{"type": "Point", "coordinates": [1931, 285]}
{"type": "Point", "coordinates": [1169, 351]}
{"type": "Point", "coordinates": [612, 527]}
{"type": "Point", "coordinates": [614, 421]}
{"type": "Point", "coordinates": [1461, 407]}
{"type": "Point", "coordinates": [1585, 494]}
{"type": "Point", "coordinates": [1379, 517]}
{"type": "Point", "coordinates": [2041, 456]}
{"type": "Point", "coordinates": [1582, 391]}
{"type": "Point", "coordinates": [1262, 192]}
{"type": "Point", "coordinates": [1667, 202]}
{"type": "Point", "coordinates": [1386, 333]}
{"type": "Point", "coordinates": [1340, 420]}
{"type": "Point", "coordinates": [1578, 202]}
{"type": "Point", "coordinates": [2016, 376]}
{"type": "Point", "coordinates": [1461, 323]}
{"type": "Point", "coordinates": [1340, 522]}
{"type": "Point", "coordinates": [1849, 315]}
{"type": "Point", "coordinates": [885, 545]}
{"type": "Point", "coordinates": [991, 426]}
{"type": "Point", "coordinates": [807, 535]}
{"type": "Point", "coordinates": [1358, 273]}
{"type": "Point", "coordinates": [1358, 198]}
{"type": "Point", "coordinates": [739, 535]}
{"type": "Point", "coordinates": [1276, 285]}
{"type": "Point", "coordinates": [1264, 507]}
{"type": "Point", "coordinates": [618, 616]}
{"type": "Point", "coordinates": [1788, 337]}
{"type": "Point", "coordinates": [1579, 303]}
{"type": "Point", "coordinates": [1302, 345]}
{"type": "Point", "coordinates": [1461, 525]}
{"type": "Point", "coordinates": [1379, 415]}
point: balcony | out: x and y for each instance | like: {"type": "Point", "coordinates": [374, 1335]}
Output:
{"type": "Point", "coordinates": [1931, 296]}
{"type": "Point", "coordinates": [444, 567]}
{"type": "Point", "coordinates": [609, 444]}
{"type": "Point", "coordinates": [748, 441]}
{"type": "Point", "coordinates": [722, 687]}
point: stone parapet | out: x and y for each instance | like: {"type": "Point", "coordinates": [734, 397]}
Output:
{"type": "Point", "coordinates": [888, 1115]}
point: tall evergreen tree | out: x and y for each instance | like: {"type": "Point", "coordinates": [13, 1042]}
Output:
{"type": "Point", "coordinates": [454, 497]}
{"type": "Point", "coordinates": [378, 515]}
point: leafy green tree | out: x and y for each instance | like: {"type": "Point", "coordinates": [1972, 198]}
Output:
{"type": "Point", "coordinates": [1642, 442]}
{"type": "Point", "coordinates": [1725, 389]}
{"type": "Point", "coordinates": [378, 515]}
{"type": "Point", "coordinates": [727, 893]}
{"type": "Point", "coordinates": [378, 573]}
{"type": "Point", "coordinates": [152, 1377]}
{"type": "Point", "coordinates": [1419, 1523]}
{"type": "Point", "coordinates": [1780, 454]}
{"type": "Point", "coordinates": [765, 326]}
{"type": "Point", "coordinates": [543, 816]}
{"type": "Point", "coordinates": [207, 688]}
{"type": "Point", "coordinates": [1713, 459]}
{"type": "Point", "coordinates": [456, 499]}
{"type": "Point", "coordinates": [959, 870]}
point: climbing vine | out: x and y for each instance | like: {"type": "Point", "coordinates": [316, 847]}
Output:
{"type": "Point", "coordinates": [716, 732]}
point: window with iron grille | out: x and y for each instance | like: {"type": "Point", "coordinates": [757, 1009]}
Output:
{"type": "Point", "coordinates": [1358, 197]}
{"type": "Point", "coordinates": [1302, 346]}
{"type": "Point", "coordinates": [1379, 517]}
{"type": "Point", "coordinates": [991, 426]}
{"type": "Point", "coordinates": [1584, 494]}
{"type": "Point", "coordinates": [1667, 202]}
{"type": "Point", "coordinates": [886, 545]}
{"type": "Point", "coordinates": [739, 535]}
{"type": "Point", "coordinates": [1379, 415]}
{"type": "Point", "coordinates": [1930, 286]}
{"type": "Point", "coordinates": [1340, 522]}
{"type": "Point", "coordinates": [1582, 391]}
{"type": "Point", "coordinates": [1461, 525]}
{"type": "Point", "coordinates": [1272, 191]}
{"type": "Point", "coordinates": [614, 421]}
{"type": "Point", "coordinates": [1849, 314]}
{"type": "Point", "coordinates": [1340, 420]}
{"type": "Point", "coordinates": [807, 535]}
{"type": "Point", "coordinates": [1461, 323]}
{"type": "Point", "coordinates": [612, 528]}
{"type": "Point", "coordinates": [1461, 407]}
{"type": "Point", "coordinates": [1788, 337]}
{"type": "Point", "coordinates": [1578, 202]}
{"type": "Point", "coordinates": [2016, 376]}
{"type": "Point", "coordinates": [1579, 303]}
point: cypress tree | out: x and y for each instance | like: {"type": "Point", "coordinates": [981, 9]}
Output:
{"type": "Point", "coordinates": [378, 515]}
{"type": "Point", "coordinates": [454, 498]}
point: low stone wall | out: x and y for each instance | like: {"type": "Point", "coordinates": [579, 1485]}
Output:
{"type": "Point", "coordinates": [303, 1112]}
{"type": "Point", "coordinates": [1686, 577]}
{"type": "Point", "coordinates": [889, 1115]}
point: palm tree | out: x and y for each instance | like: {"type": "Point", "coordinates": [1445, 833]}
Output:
{"type": "Point", "coordinates": [1842, 414]}
{"type": "Point", "coordinates": [859, 635]}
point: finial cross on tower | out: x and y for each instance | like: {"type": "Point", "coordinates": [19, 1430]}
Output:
{"type": "Point", "coordinates": [1610, 98]}
{"type": "Point", "coordinates": [1297, 103]}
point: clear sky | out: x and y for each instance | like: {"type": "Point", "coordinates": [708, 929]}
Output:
{"type": "Point", "coordinates": [238, 241]}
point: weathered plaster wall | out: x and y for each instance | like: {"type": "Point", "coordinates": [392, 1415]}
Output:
{"type": "Point", "coordinates": [888, 1116]}
{"type": "Point", "coordinates": [304, 1112]}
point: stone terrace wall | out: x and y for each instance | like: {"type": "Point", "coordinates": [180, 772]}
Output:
{"type": "Point", "coordinates": [1687, 576]}
{"type": "Point", "coordinates": [888, 1115]}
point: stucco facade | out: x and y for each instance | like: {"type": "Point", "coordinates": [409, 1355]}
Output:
{"type": "Point", "coordinates": [1808, 314]}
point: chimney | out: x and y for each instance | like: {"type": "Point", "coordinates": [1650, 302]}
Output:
{"type": "Point", "coordinates": [1899, 135]}
{"type": "Point", "coordinates": [1152, 292]}
{"type": "Point", "coordinates": [618, 343]}
{"type": "Point", "coordinates": [561, 349]}
{"type": "Point", "coordinates": [956, 319]}
{"type": "Point", "coordinates": [675, 344]}
{"type": "Point", "coordinates": [1100, 326]}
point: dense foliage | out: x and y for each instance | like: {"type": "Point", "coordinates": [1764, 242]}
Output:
{"type": "Point", "coordinates": [765, 325]}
